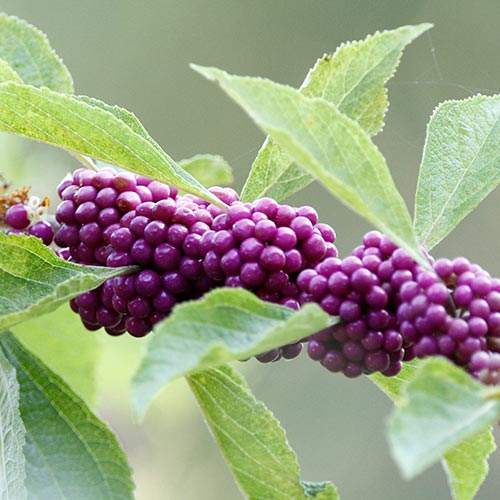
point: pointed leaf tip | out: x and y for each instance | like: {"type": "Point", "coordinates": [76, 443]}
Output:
{"type": "Point", "coordinates": [354, 79]}
{"type": "Point", "coordinates": [35, 281]}
{"type": "Point", "coordinates": [460, 165]}
{"type": "Point", "coordinates": [226, 324]}
{"type": "Point", "coordinates": [340, 155]}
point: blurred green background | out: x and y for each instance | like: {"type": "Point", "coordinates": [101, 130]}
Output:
{"type": "Point", "coordinates": [136, 54]}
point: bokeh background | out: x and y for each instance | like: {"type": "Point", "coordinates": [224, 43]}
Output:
{"type": "Point", "coordinates": [136, 54]}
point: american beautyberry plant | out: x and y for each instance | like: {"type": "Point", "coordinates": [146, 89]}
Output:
{"type": "Point", "coordinates": [141, 245]}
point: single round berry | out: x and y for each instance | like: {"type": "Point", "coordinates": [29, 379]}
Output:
{"type": "Point", "coordinates": [17, 216]}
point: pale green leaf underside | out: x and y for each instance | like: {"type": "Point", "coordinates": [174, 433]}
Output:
{"type": "Point", "coordinates": [209, 170]}
{"type": "Point", "coordinates": [441, 407]}
{"type": "Point", "coordinates": [393, 386]}
{"type": "Point", "coordinates": [12, 436]}
{"type": "Point", "coordinates": [7, 74]}
{"type": "Point", "coordinates": [226, 324]}
{"type": "Point", "coordinates": [35, 281]}
{"type": "Point", "coordinates": [465, 464]}
{"type": "Point", "coordinates": [352, 79]}
{"type": "Point", "coordinates": [27, 50]}
{"type": "Point", "coordinates": [251, 439]}
{"type": "Point", "coordinates": [330, 146]}
{"type": "Point", "coordinates": [89, 127]}
{"type": "Point", "coordinates": [460, 165]}
{"type": "Point", "coordinates": [64, 345]}
{"type": "Point", "coordinates": [69, 453]}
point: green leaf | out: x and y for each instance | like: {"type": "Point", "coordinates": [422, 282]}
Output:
{"type": "Point", "coordinates": [251, 439]}
{"type": "Point", "coordinates": [27, 50]}
{"type": "Point", "coordinates": [226, 324]}
{"type": "Point", "coordinates": [12, 436]}
{"type": "Point", "coordinates": [63, 344]}
{"type": "Point", "coordinates": [394, 386]}
{"type": "Point", "coordinates": [7, 74]}
{"type": "Point", "coordinates": [69, 452]}
{"type": "Point", "coordinates": [35, 281]}
{"type": "Point", "coordinates": [330, 146]}
{"type": "Point", "coordinates": [353, 79]}
{"type": "Point", "coordinates": [210, 170]}
{"type": "Point", "coordinates": [460, 165]}
{"type": "Point", "coordinates": [127, 117]}
{"type": "Point", "coordinates": [466, 464]}
{"type": "Point", "coordinates": [89, 127]}
{"type": "Point", "coordinates": [320, 491]}
{"type": "Point", "coordinates": [442, 406]}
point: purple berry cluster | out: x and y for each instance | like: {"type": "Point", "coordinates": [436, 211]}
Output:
{"type": "Point", "coordinates": [263, 246]}
{"type": "Point", "coordinates": [92, 206]}
{"type": "Point", "coordinates": [29, 217]}
{"type": "Point", "coordinates": [454, 312]}
{"type": "Point", "coordinates": [183, 247]}
{"type": "Point", "coordinates": [363, 290]}
{"type": "Point", "coordinates": [390, 308]}
{"type": "Point", "coordinates": [119, 219]}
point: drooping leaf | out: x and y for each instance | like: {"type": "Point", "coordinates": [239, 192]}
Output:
{"type": "Point", "coordinates": [460, 165]}
{"type": "Point", "coordinates": [63, 344]}
{"type": "Point", "coordinates": [90, 128]}
{"type": "Point", "coordinates": [7, 74]}
{"type": "Point", "coordinates": [210, 170]}
{"type": "Point", "coordinates": [251, 439]}
{"type": "Point", "coordinates": [226, 324]}
{"type": "Point", "coordinates": [12, 435]}
{"type": "Point", "coordinates": [466, 464]}
{"type": "Point", "coordinates": [353, 79]}
{"type": "Point", "coordinates": [27, 50]}
{"type": "Point", "coordinates": [69, 452]}
{"type": "Point", "coordinates": [35, 281]}
{"type": "Point", "coordinates": [330, 146]}
{"type": "Point", "coordinates": [441, 407]}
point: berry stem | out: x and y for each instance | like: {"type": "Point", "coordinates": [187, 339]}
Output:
{"type": "Point", "coordinates": [86, 161]}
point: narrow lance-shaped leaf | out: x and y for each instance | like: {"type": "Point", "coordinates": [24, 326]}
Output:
{"type": "Point", "coordinates": [210, 170]}
{"type": "Point", "coordinates": [225, 325]}
{"type": "Point", "coordinates": [466, 463]}
{"type": "Point", "coordinates": [12, 432]}
{"type": "Point", "coordinates": [353, 79]}
{"type": "Point", "coordinates": [88, 127]}
{"type": "Point", "coordinates": [35, 281]}
{"type": "Point", "coordinates": [442, 406]}
{"type": "Point", "coordinates": [460, 165]}
{"type": "Point", "coordinates": [69, 452]}
{"type": "Point", "coordinates": [27, 50]}
{"type": "Point", "coordinates": [330, 146]}
{"type": "Point", "coordinates": [251, 439]}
